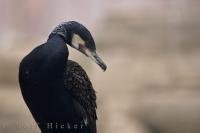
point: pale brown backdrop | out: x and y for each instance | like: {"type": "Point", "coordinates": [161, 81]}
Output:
{"type": "Point", "coordinates": [152, 50]}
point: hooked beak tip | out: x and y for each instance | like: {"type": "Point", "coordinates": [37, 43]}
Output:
{"type": "Point", "coordinates": [103, 66]}
{"type": "Point", "coordinates": [94, 56]}
{"type": "Point", "coordinates": [100, 62]}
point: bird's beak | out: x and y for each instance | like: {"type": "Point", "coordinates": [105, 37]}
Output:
{"type": "Point", "coordinates": [94, 56]}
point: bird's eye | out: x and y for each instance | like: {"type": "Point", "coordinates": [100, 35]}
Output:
{"type": "Point", "coordinates": [81, 46]}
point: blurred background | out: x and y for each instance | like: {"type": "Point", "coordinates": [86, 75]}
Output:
{"type": "Point", "coordinates": [152, 50]}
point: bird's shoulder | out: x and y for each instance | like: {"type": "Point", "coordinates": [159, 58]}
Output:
{"type": "Point", "coordinates": [80, 87]}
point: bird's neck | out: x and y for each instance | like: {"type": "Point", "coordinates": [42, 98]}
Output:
{"type": "Point", "coordinates": [64, 31]}
{"type": "Point", "coordinates": [54, 57]}
{"type": "Point", "coordinates": [57, 39]}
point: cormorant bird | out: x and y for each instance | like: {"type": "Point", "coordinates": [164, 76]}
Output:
{"type": "Point", "coordinates": [56, 90]}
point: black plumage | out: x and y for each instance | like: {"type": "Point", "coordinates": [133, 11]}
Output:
{"type": "Point", "coordinates": [78, 84]}
{"type": "Point", "coordinates": [58, 91]}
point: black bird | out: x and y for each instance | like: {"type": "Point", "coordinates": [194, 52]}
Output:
{"type": "Point", "coordinates": [56, 90]}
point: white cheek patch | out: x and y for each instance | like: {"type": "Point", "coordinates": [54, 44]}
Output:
{"type": "Point", "coordinates": [75, 45]}
{"type": "Point", "coordinates": [76, 40]}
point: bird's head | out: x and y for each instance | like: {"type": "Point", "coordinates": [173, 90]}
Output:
{"type": "Point", "coordinates": [79, 37]}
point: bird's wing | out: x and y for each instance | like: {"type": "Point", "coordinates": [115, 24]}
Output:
{"type": "Point", "coordinates": [79, 86]}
